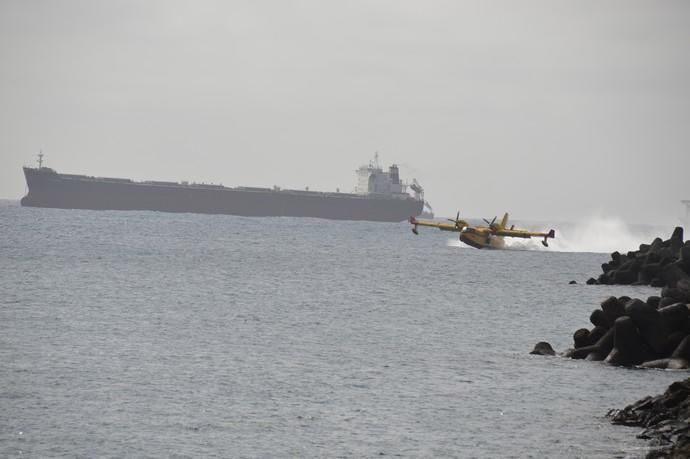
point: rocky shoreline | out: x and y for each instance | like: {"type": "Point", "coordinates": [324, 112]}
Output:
{"type": "Point", "coordinates": [650, 333]}
{"type": "Point", "coordinates": [665, 419]}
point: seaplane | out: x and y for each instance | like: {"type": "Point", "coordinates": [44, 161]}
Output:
{"type": "Point", "coordinates": [482, 237]}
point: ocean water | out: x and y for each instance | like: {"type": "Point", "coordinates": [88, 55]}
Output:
{"type": "Point", "coordinates": [144, 334]}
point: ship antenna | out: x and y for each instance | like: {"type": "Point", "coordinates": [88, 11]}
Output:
{"type": "Point", "coordinates": [40, 159]}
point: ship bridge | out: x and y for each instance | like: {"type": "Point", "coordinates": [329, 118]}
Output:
{"type": "Point", "coordinates": [371, 179]}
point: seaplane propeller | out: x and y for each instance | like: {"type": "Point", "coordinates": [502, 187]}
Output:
{"type": "Point", "coordinates": [456, 221]}
{"type": "Point", "coordinates": [490, 223]}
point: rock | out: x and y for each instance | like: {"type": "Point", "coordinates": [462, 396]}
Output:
{"type": "Point", "coordinates": [600, 319]}
{"type": "Point", "coordinates": [672, 273]}
{"type": "Point", "coordinates": [673, 341]}
{"type": "Point", "coordinates": [666, 301]}
{"type": "Point", "coordinates": [664, 418]}
{"type": "Point", "coordinates": [613, 308]}
{"type": "Point", "coordinates": [543, 348]}
{"type": "Point", "coordinates": [653, 301]}
{"type": "Point", "coordinates": [684, 284]}
{"type": "Point", "coordinates": [684, 253]}
{"type": "Point", "coordinates": [675, 316]}
{"type": "Point", "coordinates": [630, 331]}
{"type": "Point", "coordinates": [678, 364]}
{"type": "Point", "coordinates": [595, 356]}
{"type": "Point", "coordinates": [642, 279]}
{"type": "Point", "coordinates": [572, 282]}
{"type": "Point", "coordinates": [676, 240]}
{"type": "Point", "coordinates": [661, 364]}
{"type": "Point", "coordinates": [651, 327]}
{"type": "Point", "coordinates": [652, 334]}
{"type": "Point", "coordinates": [648, 265]}
{"type": "Point", "coordinates": [628, 348]}
{"type": "Point", "coordinates": [602, 347]}
{"type": "Point", "coordinates": [604, 279]}
{"type": "Point", "coordinates": [667, 364]}
{"type": "Point", "coordinates": [656, 282]}
{"type": "Point", "coordinates": [648, 271]}
{"type": "Point", "coordinates": [581, 338]}
{"type": "Point", "coordinates": [683, 287]}
{"type": "Point", "coordinates": [605, 343]}
{"type": "Point", "coordinates": [580, 352]}
{"type": "Point", "coordinates": [683, 350]}
{"type": "Point", "coordinates": [652, 257]}
{"type": "Point", "coordinates": [656, 245]}
{"type": "Point", "coordinates": [596, 333]}
{"type": "Point", "coordinates": [679, 293]}
{"type": "Point", "coordinates": [623, 276]}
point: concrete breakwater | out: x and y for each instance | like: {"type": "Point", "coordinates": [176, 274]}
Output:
{"type": "Point", "coordinates": [651, 333]}
{"type": "Point", "coordinates": [659, 263]}
{"type": "Point", "coordinates": [628, 331]}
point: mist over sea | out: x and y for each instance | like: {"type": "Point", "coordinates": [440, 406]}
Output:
{"type": "Point", "coordinates": [146, 334]}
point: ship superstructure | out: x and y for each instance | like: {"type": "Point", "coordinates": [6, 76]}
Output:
{"type": "Point", "coordinates": [378, 196]}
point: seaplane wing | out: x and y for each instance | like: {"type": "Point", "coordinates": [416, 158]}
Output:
{"type": "Point", "coordinates": [432, 224]}
{"type": "Point", "coordinates": [456, 226]}
{"type": "Point", "coordinates": [525, 234]}
{"type": "Point", "coordinates": [490, 236]}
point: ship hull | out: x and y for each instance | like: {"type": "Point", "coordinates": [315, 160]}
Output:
{"type": "Point", "coordinates": [50, 189]}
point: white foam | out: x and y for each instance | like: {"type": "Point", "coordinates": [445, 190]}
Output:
{"type": "Point", "coordinates": [605, 234]}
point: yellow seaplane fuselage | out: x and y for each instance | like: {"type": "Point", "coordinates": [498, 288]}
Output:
{"type": "Point", "coordinates": [483, 237]}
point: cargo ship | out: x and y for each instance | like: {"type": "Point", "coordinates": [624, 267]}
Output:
{"type": "Point", "coordinates": [378, 196]}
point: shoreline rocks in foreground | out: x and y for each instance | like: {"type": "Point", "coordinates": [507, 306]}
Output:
{"type": "Point", "coordinates": [665, 418]}
{"type": "Point", "coordinates": [654, 333]}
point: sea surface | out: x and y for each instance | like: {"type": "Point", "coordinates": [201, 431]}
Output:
{"type": "Point", "coordinates": [145, 334]}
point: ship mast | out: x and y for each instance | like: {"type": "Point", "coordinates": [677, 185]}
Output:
{"type": "Point", "coordinates": [40, 160]}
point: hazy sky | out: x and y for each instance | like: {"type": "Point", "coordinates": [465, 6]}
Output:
{"type": "Point", "coordinates": [549, 110]}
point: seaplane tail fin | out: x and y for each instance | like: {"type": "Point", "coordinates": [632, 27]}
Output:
{"type": "Point", "coordinates": [504, 222]}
